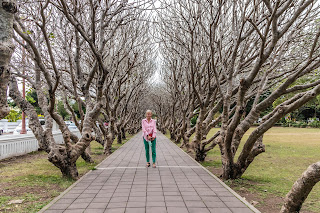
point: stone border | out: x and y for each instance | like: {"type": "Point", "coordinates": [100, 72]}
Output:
{"type": "Point", "coordinates": [251, 207]}
{"type": "Point", "coordinates": [75, 183]}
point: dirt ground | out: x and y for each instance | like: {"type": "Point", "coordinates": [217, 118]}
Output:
{"type": "Point", "coordinates": [20, 159]}
{"type": "Point", "coordinates": [31, 195]}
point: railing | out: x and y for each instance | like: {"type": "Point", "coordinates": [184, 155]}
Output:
{"type": "Point", "coordinates": [15, 145]}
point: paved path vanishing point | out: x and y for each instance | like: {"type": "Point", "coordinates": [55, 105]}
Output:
{"type": "Point", "coordinates": [122, 183]}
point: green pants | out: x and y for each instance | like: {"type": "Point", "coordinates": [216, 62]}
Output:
{"type": "Point", "coordinates": [153, 149]}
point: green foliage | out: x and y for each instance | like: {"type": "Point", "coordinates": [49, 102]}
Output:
{"type": "Point", "coordinates": [11, 103]}
{"type": "Point", "coordinates": [51, 35]}
{"type": "Point", "coordinates": [75, 107]}
{"type": "Point", "coordinates": [261, 98]}
{"type": "Point", "coordinates": [303, 124]}
{"type": "Point", "coordinates": [61, 110]}
{"type": "Point", "coordinates": [300, 124]}
{"type": "Point", "coordinates": [14, 115]}
{"type": "Point", "coordinates": [32, 98]}
{"type": "Point", "coordinates": [193, 120]}
{"type": "Point", "coordinates": [315, 124]}
{"type": "Point", "coordinates": [310, 109]}
{"type": "Point", "coordinates": [28, 32]}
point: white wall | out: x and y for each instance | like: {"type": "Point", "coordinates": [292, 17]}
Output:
{"type": "Point", "coordinates": [8, 126]}
{"type": "Point", "coordinates": [15, 145]}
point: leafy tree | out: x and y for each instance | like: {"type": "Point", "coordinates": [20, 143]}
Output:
{"type": "Point", "coordinates": [32, 98]}
{"type": "Point", "coordinates": [75, 107]}
{"type": "Point", "coordinates": [14, 115]}
{"type": "Point", "coordinates": [62, 111]}
{"type": "Point", "coordinates": [311, 109]}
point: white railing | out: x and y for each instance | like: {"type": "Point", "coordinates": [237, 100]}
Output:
{"type": "Point", "coordinates": [15, 145]}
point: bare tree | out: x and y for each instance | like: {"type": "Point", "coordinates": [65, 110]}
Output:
{"type": "Point", "coordinates": [235, 52]}
{"type": "Point", "coordinates": [73, 56]}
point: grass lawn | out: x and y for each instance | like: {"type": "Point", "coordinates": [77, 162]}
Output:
{"type": "Point", "coordinates": [289, 151]}
{"type": "Point", "coordinates": [33, 179]}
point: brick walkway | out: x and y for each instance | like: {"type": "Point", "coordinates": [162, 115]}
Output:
{"type": "Point", "coordinates": [122, 183]}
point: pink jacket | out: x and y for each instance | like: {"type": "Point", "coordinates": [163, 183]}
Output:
{"type": "Point", "coordinates": [148, 128]}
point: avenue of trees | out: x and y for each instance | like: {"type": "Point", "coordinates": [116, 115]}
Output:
{"type": "Point", "coordinates": [226, 63]}
{"type": "Point", "coordinates": [222, 63]}
{"type": "Point", "coordinates": [92, 53]}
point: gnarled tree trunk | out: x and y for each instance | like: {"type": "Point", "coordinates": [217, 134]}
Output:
{"type": "Point", "coordinates": [301, 189]}
{"type": "Point", "coordinates": [123, 133]}
{"type": "Point", "coordinates": [108, 144]}
{"type": "Point", "coordinates": [196, 142]}
{"type": "Point", "coordinates": [110, 137]}
{"type": "Point", "coordinates": [186, 138]}
{"type": "Point", "coordinates": [86, 156]}
{"type": "Point", "coordinates": [63, 157]}
{"type": "Point", "coordinates": [119, 135]}
{"type": "Point", "coordinates": [7, 10]}
{"type": "Point", "coordinates": [57, 154]}
{"type": "Point", "coordinates": [232, 170]}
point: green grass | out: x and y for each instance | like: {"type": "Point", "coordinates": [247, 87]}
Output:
{"type": "Point", "coordinates": [289, 152]}
{"type": "Point", "coordinates": [36, 181]}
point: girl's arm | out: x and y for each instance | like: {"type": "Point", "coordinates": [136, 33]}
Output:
{"type": "Point", "coordinates": [145, 133]}
{"type": "Point", "coordinates": [154, 132]}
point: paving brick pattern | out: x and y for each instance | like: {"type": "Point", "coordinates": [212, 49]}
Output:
{"type": "Point", "coordinates": [122, 183]}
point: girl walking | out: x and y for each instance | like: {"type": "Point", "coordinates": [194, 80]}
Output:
{"type": "Point", "coordinates": [149, 131]}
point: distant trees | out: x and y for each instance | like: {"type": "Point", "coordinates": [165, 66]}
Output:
{"type": "Point", "coordinates": [227, 62]}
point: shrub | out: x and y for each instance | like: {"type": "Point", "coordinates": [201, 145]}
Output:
{"type": "Point", "coordinates": [285, 125]}
{"type": "Point", "coordinates": [314, 124]}
{"type": "Point", "coordinates": [303, 124]}
{"type": "Point", "coordinates": [295, 125]}
{"type": "Point", "coordinates": [14, 115]}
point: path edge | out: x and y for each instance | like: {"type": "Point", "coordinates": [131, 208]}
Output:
{"type": "Point", "coordinates": [251, 207]}
{"type": "Point", "coordinates": [75, 183]}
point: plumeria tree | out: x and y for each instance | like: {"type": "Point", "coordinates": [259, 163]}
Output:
{"type": "Point", "coordinates": [230, 53]}
{"type": "Point", "coordinates": [73, 55]}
